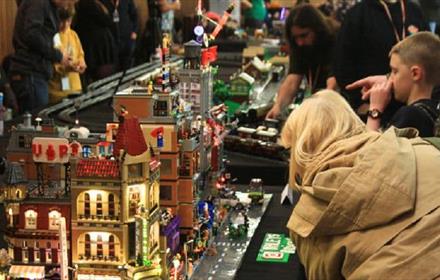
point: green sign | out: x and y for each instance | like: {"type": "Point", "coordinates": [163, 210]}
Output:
{"type": "Point", "coordinates": [275, 248]}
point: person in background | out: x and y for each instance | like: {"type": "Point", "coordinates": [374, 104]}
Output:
{"type": "Point", "coordinates": [66, 80]}
{"type": "Point", "coordinates": [167, 8]}
{"type": "Point", "coordinates": [5, 87]}
{"type": "Point", "coordinates": [128, 30]}
{"type": "Point", "coordinates": [311, 38]}
{"type": "Point", "coordinates": [254, 13]}
{"type": "Point", "coordinates": [414, 72]}
{"type": "Point", "coordinates": [369, 31]}
{"type": "Point", "coordinates": [360, 217]}
{"type": "Point", "coordinates": [31, 65]}
{"type": "Point", "coordinates": [97, 29]}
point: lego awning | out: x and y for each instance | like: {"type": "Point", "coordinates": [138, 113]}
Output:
{"type": "Point", "coordinates": [27, 271]}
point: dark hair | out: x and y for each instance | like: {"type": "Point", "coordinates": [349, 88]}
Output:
{"type": "Point", "coordinates": [307, 16]}
{"type": "Point", "coordinates": [65, 14]}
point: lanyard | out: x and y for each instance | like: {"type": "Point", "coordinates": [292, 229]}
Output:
{"type": "Point", "coordinates": [387, 11]}
{"type": "Point", "coordinates": [313, 84]}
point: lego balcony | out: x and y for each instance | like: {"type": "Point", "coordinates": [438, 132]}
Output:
{"type": "Point", "coordinates": [99, 259]}
{"type": "Point", "coordinates": [98, 218]}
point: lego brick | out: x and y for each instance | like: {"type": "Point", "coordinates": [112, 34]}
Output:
{"type": "Point", "coordinates": [169, 163]}
{"type": "Point", "coordinates": [168, 193]}
{"type": "Point", "coordinates": [186, 213]}
{"type": "Point", "coordinates": [185, 190]}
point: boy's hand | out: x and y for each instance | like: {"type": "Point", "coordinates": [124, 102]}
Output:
{"type": "Point", "coordinates": [366, 84]}
{"type": "Point", "coordinates": [380, 95]}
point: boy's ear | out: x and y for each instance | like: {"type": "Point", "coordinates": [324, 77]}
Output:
{"type": "Point", "coordinates": [417, 72]}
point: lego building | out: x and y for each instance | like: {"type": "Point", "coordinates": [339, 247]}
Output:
{"type": "Point", "coordinates": [115, 211]}
{"type": "Point", "coordinates": [33, 231]}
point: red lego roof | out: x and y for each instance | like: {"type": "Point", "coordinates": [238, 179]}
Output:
{"type": "Point", "coordinates": [97, 168]}
{"type": "Point", "coordinates": [130, 138]}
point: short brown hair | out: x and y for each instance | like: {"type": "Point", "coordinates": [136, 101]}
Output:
{"type": "Point", "coordinates": [422, 48]}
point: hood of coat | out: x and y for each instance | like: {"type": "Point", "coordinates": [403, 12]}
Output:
{"type": "Point", "coordinates": [356, 184]}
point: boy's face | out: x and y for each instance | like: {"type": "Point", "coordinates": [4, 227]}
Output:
{"type": "Point", "coordinates": [401, 78]}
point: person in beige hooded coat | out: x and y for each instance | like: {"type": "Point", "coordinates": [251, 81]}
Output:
{"type": "Point", "coordinates": [369, 205]}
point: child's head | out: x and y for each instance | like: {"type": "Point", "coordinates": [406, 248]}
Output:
{"type": "Point", "coordinates": [415, 60]}
{"type": "Point", "coordinates": [65, 16]}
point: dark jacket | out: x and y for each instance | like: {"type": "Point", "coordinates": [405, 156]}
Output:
{"type": "Point", "coordinates": [35, 25]}
{"type": "Point", "coordinates": [365, 40]}
{"type": "Point", "coordinates": [128, 19]}
{"type": "Point", "coordinates": [97, 31]}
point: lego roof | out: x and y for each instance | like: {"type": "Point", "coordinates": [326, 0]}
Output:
{"type": "Point", "coordinates": [130, 138]}
{"type": "Point", "coordinates": [14, 174]}
{"type": "Point", "coordinates": [97, 168]}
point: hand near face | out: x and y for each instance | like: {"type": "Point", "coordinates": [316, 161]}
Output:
{"type": "Point", "coordinates": [366, 84]}
{"type": "Point", "coordinates": [380, 95]}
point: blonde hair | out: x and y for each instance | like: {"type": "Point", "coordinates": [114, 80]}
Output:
{"type": "Point", "coordinates": [320, 121]}
{"type": "Point", "coordinates": [423, 49]}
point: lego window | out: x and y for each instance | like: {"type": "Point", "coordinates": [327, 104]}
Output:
{"type": "Point", "coordinates": [165, 167]}
{"type": "Point", "coordinates": [160, 108]}
{"type": "Point", "coordinates": [111, 246]}
{"type": "Point", "coordinates": [11, 217]}
{"type": "Point", "coordinates": [154, 193]}
{"type": "Point", "coordinates": [99, 205]}
{"type": "Point", "coordinates": [134, 199]}
{"type": "Point", "coordinates": [135, 170]}
{"type": "Point", "coordinates": [21, 141]}
{"type": "Point", "coordinates": [87, 205]}
{"type": "Point", "coordinates": [99, 246]}
{"type": "Point", "coordinates": [28, 141]}
{"type": "Point", "coordinates": [54, 217]}
{"type": "Point", "coordinates": [48, 255]}
{"type": "Point", "coordinates": [18, 194]}
{"type": "Point", "coordinates": [111, 205]}
{"type": "Point", "coordinates": [31, 219]}
{"type": "Point", "coordinates": [37, 255]}
{"type": "Point", "coordinates": [86, 151]}
{"type": "Point", "coordinates": [88, 246]}
{"type": "Point", "coordinates": [25, 256]}
{"type": "Point", "coordinates": [166, 192]}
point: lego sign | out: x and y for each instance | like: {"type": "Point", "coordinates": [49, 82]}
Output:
{"type": "Point", "coordinates": [54, 150]}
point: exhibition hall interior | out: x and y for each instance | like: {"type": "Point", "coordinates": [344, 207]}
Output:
{"type": "Point", "coordinates": [219, 139]}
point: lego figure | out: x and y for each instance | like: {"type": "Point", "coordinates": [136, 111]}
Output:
{"type": "Point", "coordinates": [150, 87]}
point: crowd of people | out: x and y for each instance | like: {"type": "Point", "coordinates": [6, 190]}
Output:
{"type": "Point", "coordinates": [369, 205]}
{"type": "Point", "coordinates": [62, 45]}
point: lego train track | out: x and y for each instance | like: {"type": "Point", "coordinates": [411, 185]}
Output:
{"type": "Point", "coordinates": [65, 112]}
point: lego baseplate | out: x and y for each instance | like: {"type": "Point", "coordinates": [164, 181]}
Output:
{"type": "Point", "coordinates": [230, 252]}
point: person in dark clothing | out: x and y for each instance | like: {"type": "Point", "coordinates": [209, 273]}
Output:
{"type": "Point", "coordinates": [128, 29]}
{"type": "Point", "coordinates": [414, 72]}
{"type": "Point", "coordinates": [9, 97]}
{"type": "Point", "coordinates": [370, 29]}
{"type": "Point", "coordinates": [31, 64]}
{"type": "Point", "coordinates": [311, 37]}
{"type": "Point", "coordinates": [96, 27]}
